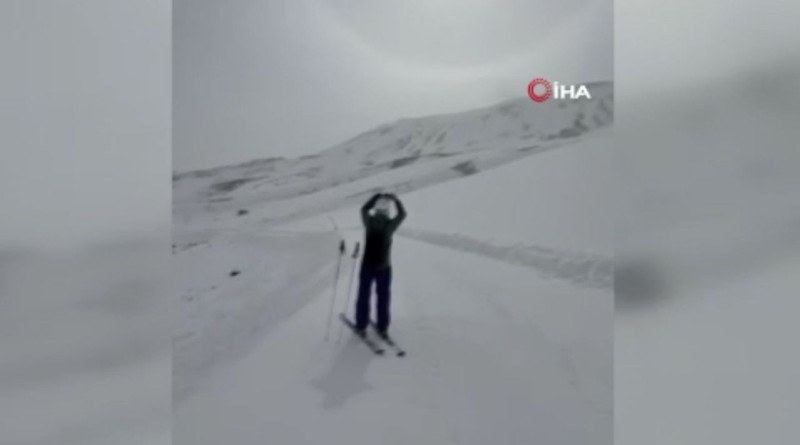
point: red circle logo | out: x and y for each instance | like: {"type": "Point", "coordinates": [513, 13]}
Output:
{"type": "Point", "coordinates": [548, 89]}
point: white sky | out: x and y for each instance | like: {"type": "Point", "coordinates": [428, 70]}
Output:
{"type": "Point", "coordinates": [258, 78]}
{"type": "Point", "coordinates": [85, 85]}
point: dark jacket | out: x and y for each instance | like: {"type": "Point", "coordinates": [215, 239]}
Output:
{"type": "Point", "coordinates": [379, 229]}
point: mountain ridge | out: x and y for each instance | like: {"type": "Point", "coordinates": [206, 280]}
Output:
{"type": "Point", "coordinates": [592, 86]}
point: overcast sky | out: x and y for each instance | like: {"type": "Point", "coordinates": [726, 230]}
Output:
{"type": "Point", "coordinates": [85, 85]}
{"type": "Point", "coordinates": [261, 78]}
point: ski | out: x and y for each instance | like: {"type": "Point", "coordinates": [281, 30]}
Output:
{"type": "Point", "coordinates": [400, 352]}
{"type": "Point", "coordinates": [371, 344]}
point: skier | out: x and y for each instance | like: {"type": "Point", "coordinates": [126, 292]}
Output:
{"type": "Point", "coordinates": [376, 264]}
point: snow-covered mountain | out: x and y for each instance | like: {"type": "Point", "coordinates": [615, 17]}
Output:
{"type": "Point", "coordinates": [403, 156]}
{"type": "Point", "coordinates": [501, 289]}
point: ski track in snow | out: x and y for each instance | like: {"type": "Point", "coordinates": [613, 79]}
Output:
{"type": "Point", "coordinates": [579, 268]}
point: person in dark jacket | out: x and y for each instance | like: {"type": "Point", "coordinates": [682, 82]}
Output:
{"type": "Point", "coordinates": [376, 264]}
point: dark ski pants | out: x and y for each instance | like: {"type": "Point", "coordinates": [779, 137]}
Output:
{"type": "Point", "coordinates": [383, 282]}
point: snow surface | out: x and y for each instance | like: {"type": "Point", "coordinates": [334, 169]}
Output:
{"type": "Point", "coordinates": [501, 289]}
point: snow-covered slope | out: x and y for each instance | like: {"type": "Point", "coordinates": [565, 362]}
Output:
{"type": "Point", "coordinates": [405, 155]}
{"type": "Point", "coordinates": [501, 293]}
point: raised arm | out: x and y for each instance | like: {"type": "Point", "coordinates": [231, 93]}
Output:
{"type": "Point", "coordinates": [401, 211]}
{"type": "Point", "coordinates": [368, 206]}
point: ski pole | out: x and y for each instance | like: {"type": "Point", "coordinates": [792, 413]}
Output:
{"type": "Point", "coordinates": [335, 226]}
{"type": "Point", "coordinates": [350, 288]}
{"type": "Point", "coordinates": [335, 286]}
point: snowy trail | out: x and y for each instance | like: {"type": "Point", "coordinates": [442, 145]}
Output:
{"type": "Point", "coordinates": [578, 268]}
{"type": "Point", "coordinates": [484, 366]}
{"type": "Point", "coordinates": [501, 296]}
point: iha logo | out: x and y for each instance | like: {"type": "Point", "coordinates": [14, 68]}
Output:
{"type": "Point", "coordinates": [540, 90]}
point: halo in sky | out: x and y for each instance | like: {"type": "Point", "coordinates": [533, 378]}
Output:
{"type": "Point", "coordinates": [455, 33]}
